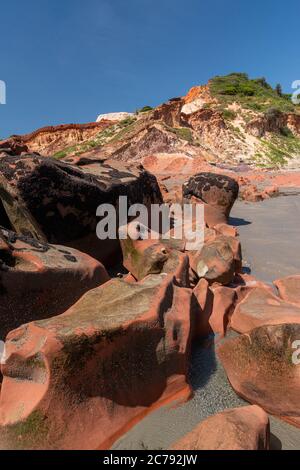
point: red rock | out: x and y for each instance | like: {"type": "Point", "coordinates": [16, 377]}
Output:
{"type": "Point", "coordinates": [289, 288]}
{"type": "Point", "coordinates": [56, 202]}
{"type": "Point", "coordinates": [227, 230]}
{"type": "Point", "coordinates": [261, 307]}
{"type": "Point", "coordinates": [130, 278]}
{"type": "Point", "coordinates": [244, 283]}
{"type": "Point", "coordinates": [143, 257]}
{"type": "Point", "coordinates": [38, 280]}
{"type": "Point", "coordinates": [270, 191]}
{"type": "Point", "coordinates": [216, 262]}
{"type": "Point", "coordinates": [251, 193]}
{"type": "Point", "coordinates": [153, 256]}
{"type": "Point", "coordinates": [213, 308]}
{"type": "Point", "coordinates": [260, 368]}
{"type": "Point", "coordinates": [51, 139]}
{"type": "Point", "coordinates": [80, 380]}
{"type": "Point", "coordinates": [245, 428]}
{"type": "Point", "coordinates": [223, 306]}
{"type": "Point", "coordinates": [217, 192]}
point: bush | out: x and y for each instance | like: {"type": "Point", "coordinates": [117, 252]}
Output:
{"type": "Point", "coordinates": [145, 109]}
{"type": "Point", "coordinates": [272, 113]}
{"type": "Point", "coordinates": [228, 114]}
{"type": "Point", "coordinates": [246, 90]}
{"type": "Point", "coordinates": [286, 132]}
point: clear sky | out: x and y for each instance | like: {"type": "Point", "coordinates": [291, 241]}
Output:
{"type": "Point", "coordinates": [67, 61]}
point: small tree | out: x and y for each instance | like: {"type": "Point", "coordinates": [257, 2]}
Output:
{"type": "Point", "coordinates": [278, 89]}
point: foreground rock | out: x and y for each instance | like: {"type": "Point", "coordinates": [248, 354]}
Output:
{"type": "Point", "coordinates": [217, 192]}
{"type": "Point", "coordinates": [56, 202]}
{"type": "Point", "coordinates": [261, 307]}
{"type": "Point", "coordinates": [213, 308]}
{"type": "Point", "coordinates": [261, 368]}
{"type": "Point", "coordinates": [80, 380]}
{"type": "Point", "coordinates": [218, 261]}
{"type": "Point", "coordinates": [244, 428]}
{"type": "Point", "coordinates": [38, 280]}
{"type": "Point", "coordinates": [153, 255]}
{"type": "Point", "coordinates": [289, 288]}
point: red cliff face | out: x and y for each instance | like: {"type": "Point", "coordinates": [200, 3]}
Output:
{"type": "Point", "coordinates": [49, 140]}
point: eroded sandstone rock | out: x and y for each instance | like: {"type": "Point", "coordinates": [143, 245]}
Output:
{"type": "Point", "coordinates": [79, 380]}
{"type": "Point", "coordinates": [218, 260]}
{"type": "Point", "coordinates": [51, 139]}
{"type": "Point", "coordinates": [261, 369]}
{"type": "Point", "coordinates": [153, 255]}
{"type": "Point", "coordinates": [217, 192]}
{"type": "Point", "coordinates": [245, 428]}
{"type": "Point", "coordinates": [289, 288]}
{"type": "Point", "coordinates": [261, 307]}
{"type": "Point", "coordinates": [213, 308]}
{"type": "Point", "coordinates": [56, 202]}
{"type": "Point", "coordinates": [38, 280]}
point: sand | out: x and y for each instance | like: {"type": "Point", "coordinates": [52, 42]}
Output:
{"type": "Point", "coordinates": [270, 238]}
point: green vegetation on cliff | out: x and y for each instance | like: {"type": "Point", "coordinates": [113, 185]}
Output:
{"type": "Point", "coordinates": [255, 94]}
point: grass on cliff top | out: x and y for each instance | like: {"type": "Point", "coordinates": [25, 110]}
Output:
{"type": "Point", "coordinates": [255, 94]}
{"type": "Point", "coordinates": [110, 134]}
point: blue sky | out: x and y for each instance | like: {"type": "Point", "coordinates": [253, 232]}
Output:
{"type": "Point", "coordinates": [68, 60]}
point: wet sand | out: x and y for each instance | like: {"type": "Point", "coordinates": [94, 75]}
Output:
{"type": "Point", "coordinates": [270, 236]}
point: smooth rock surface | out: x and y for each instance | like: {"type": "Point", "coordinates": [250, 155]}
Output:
{"type": "Point", "coordinates": [81, 379]}
{"type": "Point", "coordinates": [38, 280]}
{"type": "Point", "coordinates": [245, 428]}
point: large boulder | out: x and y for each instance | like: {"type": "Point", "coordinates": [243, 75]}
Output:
{"type": "Point", "coordinates": [38, 280]}
{"type": "Point", "coordinates": [245, 428]}
{"type": "Point", "coordinates": [218, 260]}
{"type": "Point", "coordinates": [57, 202]}
{"type": "Point", "coordinates": [213, 308]}
{"type": "Point", "coordinates": [289, 288]}
{"type": "Point", "coordinates": [80, 380]}
{"type": "Point", "coordinates": [261, 307]}
{"type": "Point", "coordinates": [261, 368]}
{"type": "Point", "coordinates": [153, 255]}
{"type": "Point", "coordinates": [217, 192]}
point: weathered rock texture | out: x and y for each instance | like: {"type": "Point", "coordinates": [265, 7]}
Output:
{"type": "Point", "coordinates": [57, 202]}
{"type": "Point", "coordinates": [52, 139]}
{"type": "Point", "coordinates": [39, 281]}
{"type": "Point", "coordinates": [261, 369]}
{"type": "Point", "coordinates": [245, 428]}
{"type": "Point", "coordinates": [289, 288]}
{"type": "Point", "coordinates": [261, 307]}
{"type": "Point", "coordinates": [218, 261]}
{"type": "Point", "coordinates": [217, 192]}
{"type": "Point", "coordinates": [77, 381]}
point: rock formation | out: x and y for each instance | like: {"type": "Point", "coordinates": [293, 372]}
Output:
{"type": "Point", "coordinates": [261, 307]}
{"type": "Point", "coordinates": [245, 428]}
{"type": "Point", "coordinates": [39, 281]}
{"type": "Point", "coordinates": [81, 379]}
{"type": "Point", "coordinates": [261, 369]}
{"type": "Point", "coordinates": [57, 202]}
{"type": "Point", "coordinates": [92, 348]}
{"type": "Point", "coordinates": [217, 192]}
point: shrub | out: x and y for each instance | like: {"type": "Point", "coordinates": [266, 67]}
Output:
{"type": "Point", "coordinates": [145, 109]}
{"type": "Point", "coordinates": [246, 90]}
{"type": "Point", "coordinates": [286, 132]}
{"type": "Point", "coordinates": [228, 114]}
{"type": "Point", "coordinates": [272, 113]}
